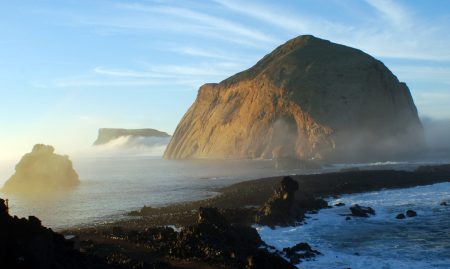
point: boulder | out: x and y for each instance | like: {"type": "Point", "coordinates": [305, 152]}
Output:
{"type": "Point", "coordinates": [361, 211]}
{"type": "Point", "coordinates": [411, 213]}
{"type": "Point", "coordinates": [42, 170]}
{"type": "Point", "coordinates": [400, 216]}
{"type": "Point", "coordinates": [301, 251]}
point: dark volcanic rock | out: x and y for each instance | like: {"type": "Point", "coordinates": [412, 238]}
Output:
{"type": "Point", "coordinates": [411, 213]}
{"type": "Point", "coordinates": [280, 209]}
{"type": "Point", "coordinates": [299, 252]}
{"type": "Point", "coordinates": [25, 243]}
{"type": "Point", "coordinates": [214, 240]}
{"type": "Point", "coordinates": [107, 134]}
{"type": "Point", "coordinates": [42, 170]}
{"type": "Point", "coordinates": [308, 99]}
{"type": "Point", "coordinates": [284, 209]}
{"type": "Point", "coordinates": [400, 216]}
{"type": "Point", "coordinates": [361, 211]}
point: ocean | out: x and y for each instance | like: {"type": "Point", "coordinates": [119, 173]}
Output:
{"type": "Point", "coordinates": [380, 241]}
{"type": "Point", "coordinates": [112, 185]}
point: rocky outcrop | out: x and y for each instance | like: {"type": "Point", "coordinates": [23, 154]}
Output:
{"type": "Point", "coordinates": [42, 170]}
{"type": "Point", "coordinates": [25, 243]}
{"type": "Point", "coordinates": [308, 99]}
{"type": "Point", "coordinates": [299, 252]}
{"type": "Point", "coordinates": [107, 134]}
{"type": "Point", "coordinates": [361, 211]}
{"type": "Point", "coordinates": [283, 208]}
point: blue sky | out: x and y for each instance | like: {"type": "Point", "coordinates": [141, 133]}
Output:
{"type": "Point", "coordinates": [69, 67]}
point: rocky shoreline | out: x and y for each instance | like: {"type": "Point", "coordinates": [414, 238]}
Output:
{"type": "Point", "coordinates": [218, 233]}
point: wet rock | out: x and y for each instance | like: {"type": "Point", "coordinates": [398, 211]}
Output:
{"type": "Point", "coordinates": [212, 239]}
{"type": "Point", "coordinates": [361, 211]}
{"type": "Point", "coordinates": [348, 218]}
{"type": "Point", "coordinates": [299, 252]}
{"type": "Point", "coordinates": [280, 209]}
{"type": "Point", "coordinates": [284, 209]}
{"type": "Point", "coordinates": [339, 204]}
{"type": "Point", "coordinates": [411, 213]}
{"type": "Point", "coordinates": [444, 203]}
{"type": "Point", "coordinates": [400, 216]}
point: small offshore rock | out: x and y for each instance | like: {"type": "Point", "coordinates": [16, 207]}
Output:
{"type": "Point", "coordinates": [444, 203]}
{"type": "Point", "coordinates": [400, 216]}
{"type": "Point", "coordinates": [339, 204]}
{"type": "Point", "coordinates": [361, 211]}
{"type": "Point", "coordinates": [411, 213]}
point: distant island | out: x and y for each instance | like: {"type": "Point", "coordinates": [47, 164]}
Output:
{"type": "Point", "coordinates": [42, 170]}
{"type": "Point", "coordinates": [309, 99]}
{"type": "Point", "coordinates": [106, 135]}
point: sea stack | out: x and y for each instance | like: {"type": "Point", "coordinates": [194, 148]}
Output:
{"type": "Point", "coordinates": [42, 170]}
{"type": "Point", "coordinates": [308, 99]}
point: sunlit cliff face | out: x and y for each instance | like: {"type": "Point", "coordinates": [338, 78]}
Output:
{"type": "Point", "coordinates": [42, 170]}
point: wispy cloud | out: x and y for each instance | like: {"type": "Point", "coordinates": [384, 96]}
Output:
{"type": "Point", "coordinates": [388, 34]}
{"type": "Point", "coordinates": [188, 76]}
{"type": "Point", "coordinates": [298, 24]}
{"type": "Point", "coordinates": [392, 11]}
{"type": "Point", "coordinates": [206, 22]}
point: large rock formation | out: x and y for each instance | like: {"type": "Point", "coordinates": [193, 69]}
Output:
{"type": "Point", "coordinates": [42, 170]}
{"type": "Point", "coordinates": [308, 99]}
{"type": "Point", "coordinates": [107, 134]}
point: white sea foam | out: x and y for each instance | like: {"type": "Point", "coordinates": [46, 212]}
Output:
{"type": "Point", "coordinates": [381, 241]}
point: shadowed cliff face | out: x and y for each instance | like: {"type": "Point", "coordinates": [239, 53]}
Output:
{"type": "Point", "coordinates": [308, 99]}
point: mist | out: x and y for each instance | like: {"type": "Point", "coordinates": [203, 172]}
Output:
{"type": "Point", "coordinates": [131, 145]}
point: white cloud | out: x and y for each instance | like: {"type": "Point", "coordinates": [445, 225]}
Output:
{"type": "Point", "coordinates": [392, 11]}
{"type": "Point", "coordinates": [207, 23]}
{"type": "Point", "coordinates": [391, 30]}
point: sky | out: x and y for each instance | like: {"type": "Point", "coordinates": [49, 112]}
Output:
{"type": "Point", "coordinates": [69, 67]}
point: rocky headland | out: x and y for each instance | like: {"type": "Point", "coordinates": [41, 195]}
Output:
{"type": "Point", "coordinates": [42, 170]}
{"type": "Point", "coordinates": [308, 99]}
{"type": "Point", "coordinates": [108, 134]}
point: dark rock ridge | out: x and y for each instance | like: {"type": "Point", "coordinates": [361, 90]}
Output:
{"type": "Point", "coordinates": [308, 99]}
{"type": "Point", "coordinates": [210, 240]}
{"type": "Point", "coordinates": [107, 134]}
{"type": "Point", "coordinates": [25, 243]}
{"type": "Point", "coordinates": [42, 170]}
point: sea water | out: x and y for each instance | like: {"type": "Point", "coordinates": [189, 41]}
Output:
{"type": "Point", "coordinates": [380, 241]}
{"type": "Point", "coordinates": [114, 185]}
